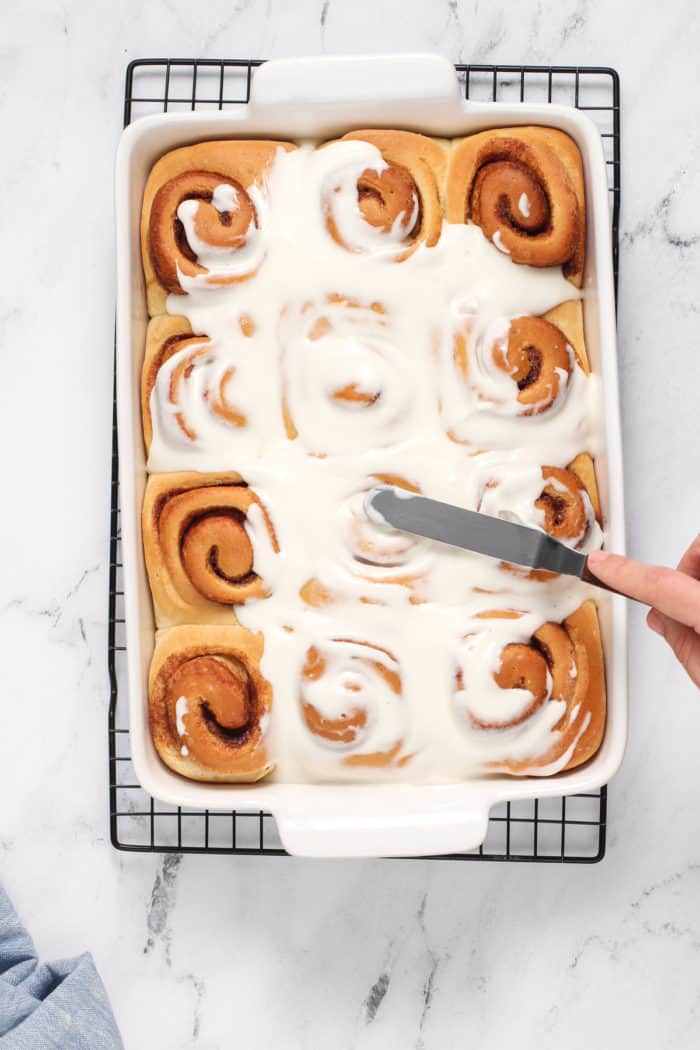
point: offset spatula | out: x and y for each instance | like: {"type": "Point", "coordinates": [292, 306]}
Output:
{"type": "Point", "coordinates": [496, 537]}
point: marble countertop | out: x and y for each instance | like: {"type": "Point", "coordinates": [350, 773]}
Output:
{"type": "Point", "coordinates": [215, 951]}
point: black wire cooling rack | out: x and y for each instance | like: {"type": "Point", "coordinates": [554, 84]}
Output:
{"type": "Point", "coordinates": [564, 830]}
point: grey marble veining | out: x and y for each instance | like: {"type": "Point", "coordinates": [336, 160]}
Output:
{"type": "Point", "coordinates": [214, 952]}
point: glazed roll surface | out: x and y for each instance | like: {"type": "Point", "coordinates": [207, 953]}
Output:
{"type": "Point", "coordinates": [202, 218]}
{"type": "Point", "coordinates": [392, 207]}
{"type": "Point", "coordinates": [367, 560]}
{"type": "Point", "coordinates": [515, 382]}
{"type": "Point", "coordinates": [534, 704]}
{"type": "Point", "coordinates": [352, 709]}
{"type": "Point", "coordinates": [200, 397]}
{"type": "Point", "coordinates": [345, 383]}
{"type": "Point", "coordinates": [385, 308]}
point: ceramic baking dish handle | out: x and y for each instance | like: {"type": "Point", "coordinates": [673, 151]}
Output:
{"type": "Point", "coordinates": [428, 833]}
{"type": "Point", "coordinates": [293, 82]}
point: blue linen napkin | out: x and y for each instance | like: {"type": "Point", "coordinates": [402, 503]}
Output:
{"type": "Point", "coordinates": [55, 1006]}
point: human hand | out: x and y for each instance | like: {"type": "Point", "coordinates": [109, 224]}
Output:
{"type": "Point", "coordinates": [674, 596]}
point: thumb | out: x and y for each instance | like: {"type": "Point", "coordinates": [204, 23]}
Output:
{"type": "Point", "coordinates": [683, 640]}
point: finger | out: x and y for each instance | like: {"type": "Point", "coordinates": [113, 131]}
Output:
{"type": "Point", "coordinates": [690, 562]}
{"type": "Point", "coordinates": [684, 641]}
{"type": "Point", "coordinates": [671, 592]}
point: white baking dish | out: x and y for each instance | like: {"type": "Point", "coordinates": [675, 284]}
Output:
{"type": "Point", "coordinates": [324, 97]}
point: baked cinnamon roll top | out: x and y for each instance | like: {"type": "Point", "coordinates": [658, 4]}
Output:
{"type": "Point", "coordinates": [209, 703]}
{"type": "Point", "coordinates": [202, 216]}
{"type": "Point", "coordinates": [524, 188]}
{"type": "Point", "coordinates": [392, 207]}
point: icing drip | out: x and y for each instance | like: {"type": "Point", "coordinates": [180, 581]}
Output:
{"type": "Point", "coordinates": [180, 712]}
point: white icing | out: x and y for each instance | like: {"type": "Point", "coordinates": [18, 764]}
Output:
{"type": "Point", "coordinates": [554, 767]}
{"type": "Point", "coordinates": [367, 547]}
{"type": "Point", "coordinates": [524, 205]}
{"type": "Point", "coordinates": [181, 709]}
{"type": "Point", "coordinates": [219, 261]}
{"type": "Point", "coordinates": [304, 350]}
{"type": "Point", "coordinates": [482, 408]}
{"type": "Point", "coordinates": [225, 198]}
{"type": "Point", "coordinates": [213, 368]}
{"type": "Point", "coordinates": [352, 681]}
{"type": "Point", "coordinates": [509, 490]}
{"type": "Point", "coordinates": [266, 560]}
{"type": "Point", "coordinates": [498, 241]}
{"type": "Point", "coordinates": [506, 487]}
{"type": "Point", "coordinates": [184, 751]}
{"type": "Point", "coordinates": [355, 351]}
{"type": "Point", "coordinates": [338, 169]}
{"type": "Point", "coordinates": [479, 657]}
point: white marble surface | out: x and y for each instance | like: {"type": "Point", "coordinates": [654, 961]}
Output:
{"type": "Point", "coordinates": [219, 952]}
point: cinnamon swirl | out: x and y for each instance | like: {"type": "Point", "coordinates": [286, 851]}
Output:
{"type": "Point", "coordinates": [209, 546]}
{"type": "Point", "coordinates": [350, 699]}
{"type": "Point", "coordinates": [391, 205]}
{"type": "Point", "coordinates": [209, 704]}
{"type": "Point", "coordinates": [525, 370]}
{"type": "Point", "coordinates": [197, 393]}
{"type": "Point", "coordinates": [202, 216]}
{"type": "Point", "coordinates": [531, 702]}
{"type": "Point", "coordinates": [562, 501]}
{"type": "Point", "coordinates": [524, 188]}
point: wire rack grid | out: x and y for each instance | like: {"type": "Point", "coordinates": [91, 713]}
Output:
{"type": "Point", "coordinates": [561, 830]}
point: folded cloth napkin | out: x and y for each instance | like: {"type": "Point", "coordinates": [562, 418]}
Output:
{"type": "Point", "coordinates": [56, 1005]}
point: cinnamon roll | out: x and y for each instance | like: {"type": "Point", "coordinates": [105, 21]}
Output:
{"type": "Point", "coordinates": [531, 702]}
{"type": "Point", "coordinates": [524, 188]}
{"type": "Point", "coordinates": [209, 546]}
{"type": "Point", "coordinates": [196, 393]}
{"type": "Point", "coordinates": [562, 501]}
{"type": "Point", "coordinates": [517, 368]}
{"type": "Point", "coordinates": [345, 385]}
{"type": "Point", "coordinates": [202, 216]}
{"type": "Point", "coordinates": [209, 704]}
{"type": "Point", "coordinates": [351, 705]}
{"type": "Point", "coordinates": [385, 201]}
{"type": "Point", "coordinates": [369, 558]}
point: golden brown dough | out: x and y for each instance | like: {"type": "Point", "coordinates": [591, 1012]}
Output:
{"type": "Point", "coordinates": [198, 547]}
{"type": "Point", "coordinates": [193, 173]}
{"type": "Point", "coordinates": [568, 317]}
{"type": "Point", "coordinates": [492, 173]}
{"type": "Point", "coordinates": [209, 703]}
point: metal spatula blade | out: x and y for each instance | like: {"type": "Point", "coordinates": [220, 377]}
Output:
{"type": "Point", "coordinates": [473, 531]}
